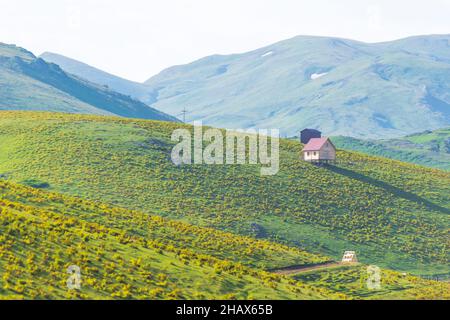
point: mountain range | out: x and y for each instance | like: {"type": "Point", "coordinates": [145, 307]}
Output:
{"type": "Point", "coordinates": [342, 87]}
{"type": "Point", "coordinates": [30, 83]}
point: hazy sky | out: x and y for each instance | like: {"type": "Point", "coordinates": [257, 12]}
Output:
{"type": "Point", "coordinates": [138, 38]}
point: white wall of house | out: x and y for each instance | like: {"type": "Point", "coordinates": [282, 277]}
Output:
{"type": "Point", "coordinates": [311, 155]}
{"type": "Point", "coordinates": [328, 152]}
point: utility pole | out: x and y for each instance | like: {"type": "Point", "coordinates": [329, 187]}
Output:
{"type": "Point", "coordinates": [183, 113]}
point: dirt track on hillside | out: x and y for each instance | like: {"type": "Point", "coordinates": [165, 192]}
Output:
{"type": "Point", "coordinates": [299, 269]}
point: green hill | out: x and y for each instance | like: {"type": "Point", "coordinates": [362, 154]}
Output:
{"type": "Point", "coordinates": [30, 83]}
{"type": "Point", "coordinates": [125, 254]}
{"type": "Point", "coordinates": [396, 215]}
{"type": "Point", "coordinates": [351, 280]}
{"type": "Point", "coordinates": [128, 255]}
{"type": "Point", "coordinates": [430, 148]}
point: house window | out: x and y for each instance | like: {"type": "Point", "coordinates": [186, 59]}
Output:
{"type": "Point", "coordinates": [315, 153]}
{"type": "Point", "coordinates": [307, 154]}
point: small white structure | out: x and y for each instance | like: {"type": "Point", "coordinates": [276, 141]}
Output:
{"type": "Point", "coordinates": [349, 257]}
{"type": "Point", "coordinates": [319, 149]}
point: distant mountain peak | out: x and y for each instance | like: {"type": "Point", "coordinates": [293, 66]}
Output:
{"type": "Point", "coordinates": [12, 50]}
{"type": "Point", "coordinates": [95, 75]}
{"type": "Point", "coordinates": [31, 83]}
{"type": "Point", "coordinates": [341, 86]}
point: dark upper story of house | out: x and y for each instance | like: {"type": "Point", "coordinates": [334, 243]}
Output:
{"type": "Point", "coordinates": [308, 134]}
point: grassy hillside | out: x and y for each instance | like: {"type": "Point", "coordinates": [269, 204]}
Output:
{"type": "Point", "coordinates": [342, 87]}
{"type": "Point", "coordinates": [352, 280]}
{"type": "Point", "coordinates": [430, 148]}
{"type": "Point", "coordinates": [246, 250]}
{"type": "Point", "coordinates": [42, 234]}
{"type": "Point", "coordinates": [30, 83]}
{"type": "Point", "coordinates": [394, 214]}
{"type": "Point", "coordinates": [126, 254]}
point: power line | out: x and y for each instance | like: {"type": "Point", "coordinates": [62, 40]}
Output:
{"type": "Point", "coordinates": [183, 113]}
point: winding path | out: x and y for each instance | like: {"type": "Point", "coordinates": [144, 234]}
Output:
{"type": "Point", "coordinates": [299, 269]}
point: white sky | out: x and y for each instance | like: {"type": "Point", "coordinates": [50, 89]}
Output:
{"type": "Point", "coordinates": [136, 39]}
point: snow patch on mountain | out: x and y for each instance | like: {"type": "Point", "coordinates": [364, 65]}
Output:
{"type": "Point", "coordinates": [267, 54]}
{"type": "Point", "coordinates": [315, 76]}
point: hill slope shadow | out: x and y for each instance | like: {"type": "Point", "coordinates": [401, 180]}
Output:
{"type": "Point", "coordinates": [389, 188]}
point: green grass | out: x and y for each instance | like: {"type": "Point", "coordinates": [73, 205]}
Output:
{"type": "Point", "coordinates": [246, 250]}
{"type": "Point", "coordinates": [128, 255]}
{"type": "Point", "coordinates": [352, 280]}
{"type": "Point", "coordinates": [394, 214]}
{"type": "Point", "coordinates": [431, 148]}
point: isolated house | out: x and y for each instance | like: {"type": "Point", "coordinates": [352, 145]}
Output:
{"type": "Point", "coordinates": [349, 257]}
{"type": "Point", "coordinates": [308, 134]}
{"type": "Point", "coordinates": [319, 150]}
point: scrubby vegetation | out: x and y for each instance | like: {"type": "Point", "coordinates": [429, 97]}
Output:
{"type": "Point", "coordinates": [129, 255]}
{"type": "Point", "coordinates": [42, 234]}
{"type": "Point", "coordinates": [352, 280]}
{"type": "Point", "coordinates": [394, 214]}
{"type": "Point", "coordinates": [246, 250]}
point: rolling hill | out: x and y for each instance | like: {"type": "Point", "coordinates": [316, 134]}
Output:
{"type": "Point", "coordinates": [30, 83]}
{"type": "Point", "coordinates": [430, 148]}
{"type": "Point", "coordinates": [351, 279]}
{"type": "Point", "coordinates": [42, 234]}
{"type": "Point", "coordinates": [124, 254]}
{"type": "Point", "coordinates": [394, 214]}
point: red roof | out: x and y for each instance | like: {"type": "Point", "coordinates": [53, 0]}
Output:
{"type": "Point", "coordinates": [315, 144]}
